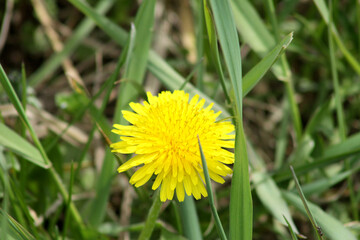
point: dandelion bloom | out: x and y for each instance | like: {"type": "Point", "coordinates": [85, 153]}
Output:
{"type": "Point", "coordinates": [163, 137]}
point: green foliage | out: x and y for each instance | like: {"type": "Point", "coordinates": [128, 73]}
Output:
{"type": "Point", "coordinates": [286, 73]}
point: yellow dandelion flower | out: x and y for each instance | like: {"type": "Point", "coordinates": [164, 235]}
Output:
{"type": "Point", "coordinates": [163, 137]}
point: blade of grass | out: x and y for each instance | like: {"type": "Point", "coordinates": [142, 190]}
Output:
{"type": "Point", "coordinates": [259, 70]}
{"type": "Point", "coordinates": [336, 85]}
{"type": "Point", "coordinates": [293, 235]}
{"type": "Point", "coordinates": [66, 222]}
{"type": "Point", "coordinates": [330, 226]}
{"type": "Point", "coordinates": [213, 42]}
{"type": "Point", "coordinates": [241, 215]}
{"type": "Point", "coordinates": [152, 217]}
{"type": "Point", "coordinates": [12, 141]}
{"type": "Point", "coordinates": [189, 219]}
{"type": "Point", "coordinates": [267, 190]}
{"type": "Point", "coordinates": [17, 231]}
{"type": "Point", "coordinates": [255, 33]}
{"type": "Point", "coordinates": [5, 201]}
{"type": "Point", "coordinates": [218, 224]}
{"type": "Point", "coordinates": [317, 229]}
{"type": "Point", "coordinates": [199, 14]}
{"type": "Point", "coordinates": [281, 138]}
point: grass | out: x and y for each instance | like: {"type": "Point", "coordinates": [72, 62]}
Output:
{"type": "Point", "coordinates": [286, 74]}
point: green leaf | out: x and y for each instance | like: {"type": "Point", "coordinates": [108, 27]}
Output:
{"type": "Point", "coordinates": [241, 215]}
{"type": "Point", "coordinates": [16, 231]}
{"type": "Point", "coordinates": [306, 206]}
{"type": "Point", "coordinates": [14, 142]}
{"type": "Point", "coordinates": [259, 70]}
{"type": "Point", "coordinates": [219, 226]}
{"type": "Point", "coordinates": [267, 190]}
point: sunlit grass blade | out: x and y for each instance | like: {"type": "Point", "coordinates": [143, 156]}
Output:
{"type": "Point", "coordinates": [71, 184]}
{"type": "Point", "coordinates": [214, 48]}
{"type": "Point", "coordinates": [259, 70]}
{"type": "Point", "coordinates": [17, 144]}
{"type": "Point", "coordinates": [83, 29]}
{"type": "Point", "coordinates": [317, 229]}
{"type": "Point", "coordinates": [281, 138]}
{"type": "Point", "coordinates": [255, 33]}
{"type": "Point", "coordinates": [241, 212]}
{"type": "Point", "coordinates": [267, 190]}
{"type": "Point", "coordinates": [331, 227]}
{"type": "Point", "coordinates": [219, 226]}
{"type": "Point", "coordinates": [190, 219]}
{"type": "Point", "coordinates": [199, 13]}
{"type": "Point", "coordinates": [293, 235]}
{"type": "Point", "coordinates": [152, 216]}
{"type": "Point", "coordinates": [16, 231]}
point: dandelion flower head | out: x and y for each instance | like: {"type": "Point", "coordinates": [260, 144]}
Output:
{"type": "Point", "coordinates": [163, 136]}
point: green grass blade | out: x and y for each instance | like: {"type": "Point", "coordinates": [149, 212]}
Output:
{"type": "Point", "coordinates": [330, 226]}
{"type": "Point", "coordinates": [17, 231]}
{"type": "Point", "coordinates": [214, 48]}
{"type": "Point", "coordinates": [259, 70]}
{"type": "Point", "coordinates": [83, 30]}
{"type": "Point", "coordinates": [293, 235]}
{"type": "Point", "coordinates": [338, 98]}
{"type": "Point", "coordinates": [255, 33]}
{"type": "Point", "coordinates": [190, 219]}
{"type": "Point", "coordinates": [199, 14]}
{"type": "Point", "coordinates": [17, 144]}
{"type": "Point", "coordinates": [219, 226]}
{"type": "Point", "coordinates": [153, 215]}
{"type": "Point", "coordinates": [241, 214]}
{"type": "Point", "coordinates": [71, 184]}
{"type": "Point", "coordinates": [307, 209]}
{"type": "Point", "coordinates": [267, 190]}
{"type": "Point", "coordinates": [281, 138]}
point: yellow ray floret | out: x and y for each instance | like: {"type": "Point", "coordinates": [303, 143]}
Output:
{"type": "Point", "coordinates": [163, 136]}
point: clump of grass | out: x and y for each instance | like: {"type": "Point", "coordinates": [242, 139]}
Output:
{"type": "Point", "coordinates": [287, 75]}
